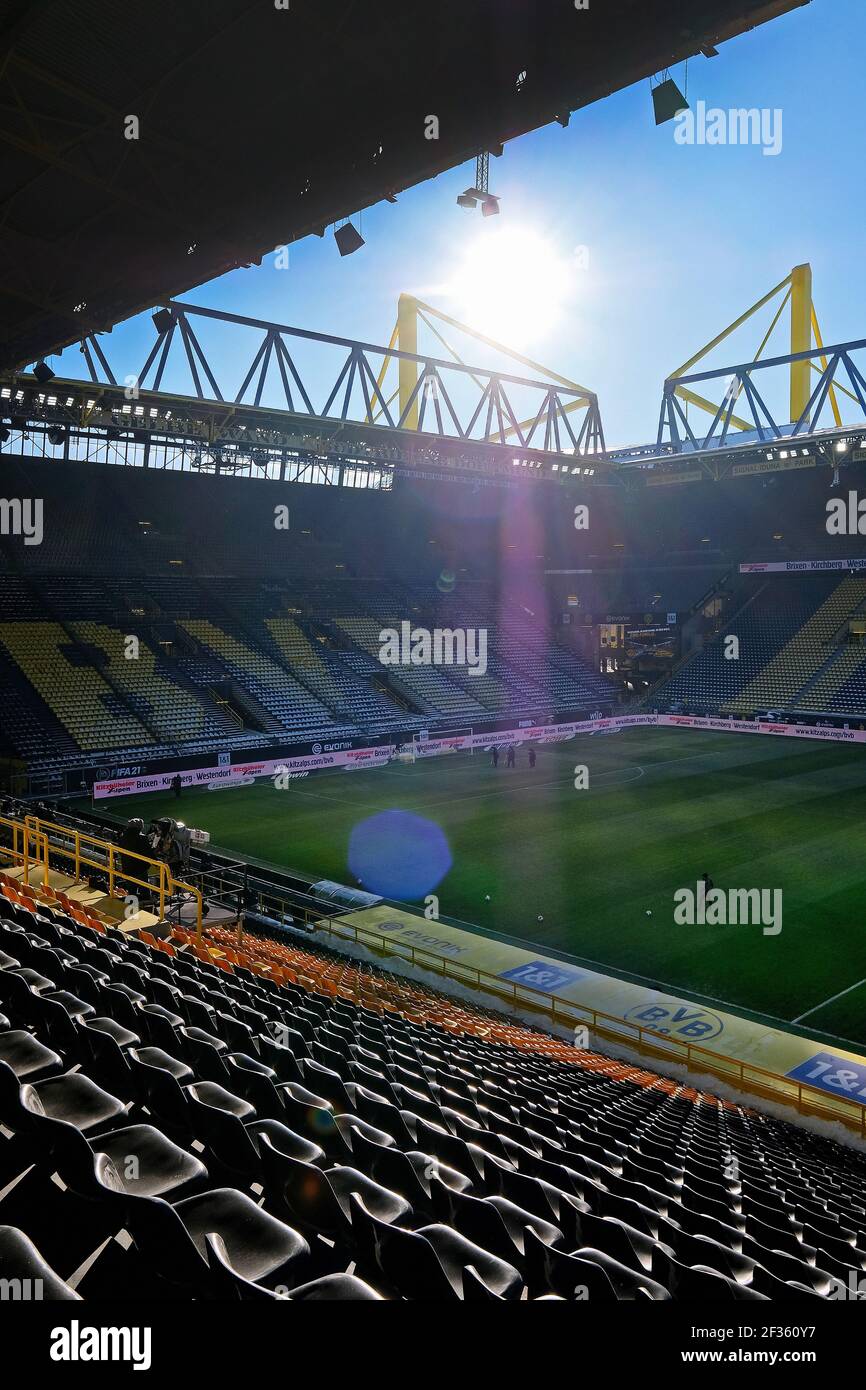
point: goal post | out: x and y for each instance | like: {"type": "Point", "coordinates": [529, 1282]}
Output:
{"type": "Point", "coordinates": [422, 736]}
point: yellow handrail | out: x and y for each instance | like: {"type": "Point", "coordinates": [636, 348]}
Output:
{"type": "Point", "coordinates": [20, 851]}
{"type": "Point", "coordinates": [85, 846]}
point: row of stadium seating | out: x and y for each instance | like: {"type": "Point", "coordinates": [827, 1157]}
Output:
{"type": "Point", "coordinates": [216, 666]}
{"type": "Point", "coordinates": [793, 652]}
{"type": "Point", "coordinates": [796, 665]}
{"type": "Point", "coordinates": [279, 1121]}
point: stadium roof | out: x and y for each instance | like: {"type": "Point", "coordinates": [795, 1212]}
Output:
{"type": "Point", "coordinates": [262, 121]}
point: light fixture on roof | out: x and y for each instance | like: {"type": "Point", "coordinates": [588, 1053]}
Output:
{"type": "Point", "coordinates": [668, 100]}
{"type": "Point", "coordinates": [348, 239]}
{"type": "Point", "coordinates": [470, 198]}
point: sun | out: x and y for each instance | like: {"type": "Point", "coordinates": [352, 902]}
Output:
{"type": "Point", "coordinates": [512, 284]}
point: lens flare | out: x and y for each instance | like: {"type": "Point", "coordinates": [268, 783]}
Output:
{"type": "Point", "coordinates": [399, 855]}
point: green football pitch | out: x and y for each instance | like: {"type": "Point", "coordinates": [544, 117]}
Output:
{"type": "Point", "coordinates": [577, 871]}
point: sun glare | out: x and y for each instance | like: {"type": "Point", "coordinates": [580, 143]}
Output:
{"type": "Point", "coordinates": [511, 284]}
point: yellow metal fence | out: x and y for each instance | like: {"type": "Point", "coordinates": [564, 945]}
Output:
{"type": "Point", "coordinates": [80, 852]}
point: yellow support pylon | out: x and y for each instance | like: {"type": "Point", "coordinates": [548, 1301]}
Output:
{"type": "Point", "coordinates": [407, 341]}
{"type": "Point", "coordinates": [801, 337]}
{"type": "Point", "coordinates": [409, 310]}
{"type": "Point", "coordinates": [797, 287]}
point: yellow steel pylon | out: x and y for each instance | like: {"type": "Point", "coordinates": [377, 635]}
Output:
{"type": "Point", "coordinates": [796, 292]}
{"type": "Point", "coordinates": [405, 338]}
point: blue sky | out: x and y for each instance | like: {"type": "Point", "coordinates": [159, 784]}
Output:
{"type": "Point", "coordinates": [680, 238]}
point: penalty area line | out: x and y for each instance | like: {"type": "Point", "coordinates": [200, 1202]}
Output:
{"type": "Point", "coordinates": [831, 1000]}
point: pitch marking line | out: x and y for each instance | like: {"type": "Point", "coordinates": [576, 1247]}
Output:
{"type": "Point", "coordinates": [505, 786]}
{"type": "Point", "coordinates": [831, 1000]}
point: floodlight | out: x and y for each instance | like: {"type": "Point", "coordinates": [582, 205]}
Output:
{"type": "Point", "coordinates": [348, 239]}
{"type": "Point", "coordinates": [668, 101]}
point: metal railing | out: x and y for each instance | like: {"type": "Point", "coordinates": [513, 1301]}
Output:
{"type": "Point", "coordinates": [82, 851]}
{"type": "Point", "coordinates": [762, 1082]}
{"type": "Point", "coordinates": [28, 848]}
{"type": "Point", "coordinates": [757, 1081]}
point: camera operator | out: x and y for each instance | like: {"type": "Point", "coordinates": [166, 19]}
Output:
{"type": "Point", "coordinates": [131, 841]}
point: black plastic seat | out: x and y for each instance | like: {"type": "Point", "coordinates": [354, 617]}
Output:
{"type": "Point", "coordinates": [20, 1260]}
{"type": "Point", "coordinates": [161, 1091]}
{"type": "Point", "coordinates": [494, 1223]}
{"type": "Point", "coordinates": [284, 1141]}
{"type": "Point", "coordinates": [206, 1057]}
{"type": "Point", "coordinates": [237, 1034]}
{"type": "Point", "coordinates": [138, 1161]}
{"type": "Point", "coordinates": [409, 1174]}
{"type": "Point", "coordinates": [321, 1201]}
{"type": "Point", "coordinates": [779, 1237]}
{"type": "Point", "coordinates": [283, 1060]}
{"type": "Point", "coordinates": [700, 1283]}
{"type": "Point", "coordinates": [310, 1115]}
{"type": "Point", "coordinates": [229, 1145]}
{"type": "Point", "coordinates": [156, 1057]}
{"type": "Point", "coordinates": [539, 1197]}
{"type": "Point", "coordinates": [454, 1151]}
{"type": "Point", "coordinates": [618, 1239]}
{"type": "Point", "coordinates": [120, 1002]}
{"type": "Point", "coordinates": [27, 1057]}
{"type": "Point", "coordinates": [210, 1093]}
{"type": "Point", "coordinates": [216, 1243]}
{"type": "Point", "coordinates": [162, 1027]}
{"type": "Point", "coordinates": [256, 1085]}
{"type": "Point", "coordinates": [432, 1263]}
{"type": "Point", "coordinates": [378, 1110]}
{"type": "Point", "coordinates": [585, 1273]}
{"type": "Point", "coordinates": [333, 1288]}
{"type": "Point", "coordinates": [351, 1129]}
{"type": "Point", "coordinates": [34, 979]}
{"type": "Point", "coordinates": [704, 1250]}
{"type": "Point", "coordinates": [17, 996]}
{"type": "Point", "coordinates": [70, 1097]}
{"type": "Point", "coordinates": [327, 1083]}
